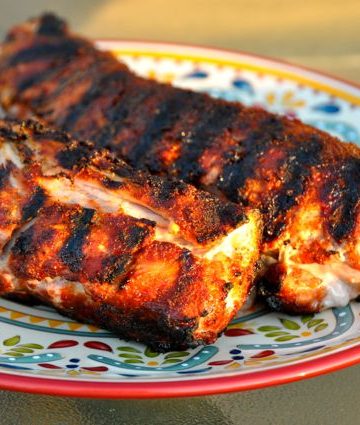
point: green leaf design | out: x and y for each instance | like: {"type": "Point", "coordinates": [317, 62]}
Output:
{"type": "Point", "coordinates": [171, 361]}
{"type": "Point", "coordinates": [23, 350]}
{"type": "Point", "coordinates": [13, 354]}
{"type": "Point", "coordinates": [150, 353]}
{"type": "Point", "coordinates": [176, 354]}
{"type": "Point", "coordinates": [129, 349]}
{"type": "Point", "coordinates": [133, 361]}
{"type": "Point", "coordinates": [314, 322]}
{"type": "Point", "coordinates": [286, 338]}
{"type": "Point", "coordinates": [306, 318]}
{"type": "Point", "coordinates": [268, 328]}
{"type": "Point", "coordinates": [34, 346]}
{"type": "Point", "coordinates": [290, 324]}
{"type": "Point", "coordinates": [321, 327]}
{"type": "Point", "coordinates": [130, 356]}
{"type": "Point", "coordinates": [277, 333]}
{"type": "Point", "coordinates": [11, 341]}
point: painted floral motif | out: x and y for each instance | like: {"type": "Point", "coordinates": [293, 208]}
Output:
{"type": "Point", "coordinates": [288, 101]}
{"type": "Point", "coordinates": [290, 329]}
{"type": "Point", "coordinates": [199, 74]}
{"type": "Point", "coordinates": [176, 361]}
{"type": "Point", "coordinates": [78, 356]}
{"type": "Point", "coordinates": [166, 77]}
{"type": "Point", "coordinates": [74, 368]}
{"type": "Point", "coordinates": [234, 362]}
{"type": "Point", "coordinates": [238, 329]}
{"type": "Point", "coordinates": [13, 347]}
{"type": "Point", "coordinates": [131, 355]}
{"type": "Point", "coordinates": [243, 85]}
{"type": "Point", "coordinates": [327, 108]}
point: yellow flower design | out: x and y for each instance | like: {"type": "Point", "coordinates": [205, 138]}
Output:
{"type": "Point", "coordinates": [287, 100]}
{"type": "Point", "coordinates": [167, 77]}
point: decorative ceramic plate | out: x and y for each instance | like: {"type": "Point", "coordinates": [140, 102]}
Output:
{"type": "Point", "coordinates": [40, 351]}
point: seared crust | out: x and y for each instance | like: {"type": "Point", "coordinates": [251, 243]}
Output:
{"type": "Point", "coordinates": [202, 217]}
{"type": "Point", "coordinates": [79, 245]}
{"type": "Point", "coordinates": [75, 235]}
{"type": "Point", "coordinates": [249, 156]}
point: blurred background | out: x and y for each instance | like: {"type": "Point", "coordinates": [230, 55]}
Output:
{"type": "Point", "coordinates": [322, 34]}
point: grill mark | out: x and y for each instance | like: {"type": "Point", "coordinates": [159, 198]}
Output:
{"type": "Point", "coordinates": [110, 184]}
{"type": "Point", "coordinates": [125, 106]}
{"type": "Point", "coordinates": [256, 144]}
{"type": "Point", "coordinates": [137, 234]}
{"type": "Point", "coordinates": [41, 133]}
{"type": "Point", "coordinates": [115, 267]}
{"type": "Point", "coordinates": [122, 169]}
{"type": "Point", "coordinates": [36, 201]}
{"type": "Point", "coordinates": [71, 253]}
{"type": "Point", "coordinates": [72, 156]}
{"type": "Point", "coordinates": [102, 85]}
{"type": "Point", "coordinates": [25, 243]}
{"type": "Point", "coordinates": [185, 278]}
{"type": "Point", "coordinates": [36, 127]}
{"type": "Point", "coordinates": [4, 175]}
{"type": "Point", "coordinates": [211, 124]}
{"type": "Point", "coordinates": [341, 196]}
{"type": "Point", "coordinates": [194, 107]}
{"type": "Point", "coordinates": [40, 77]}
{"type": "Point", "coordinates": [44, 99]}
{"type": "Point", "coordinates": [170, 111]}
{"type": "Point", "coordinates": [297, 163]}
{"type": "Point", "coordinates": [26, 154]}
{"type": "Point", "coordinates": [162, 189]}
{"type": "Point", "coordinates": [63, 49]}
{"type": "Point", "coordinates": [230, 214]}
{"type": "Point", "coordinates": [53, 135]}
{"type": "Point", "coordinates": [7, 134]}
{"type": "Point", "coordinates": [301, 153]}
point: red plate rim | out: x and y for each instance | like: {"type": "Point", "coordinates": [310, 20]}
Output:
{"type": "Point", "coordinates": [192, 387]}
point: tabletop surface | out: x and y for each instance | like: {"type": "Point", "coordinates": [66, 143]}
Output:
{"type": "Point", "coordinates": [322, 34]}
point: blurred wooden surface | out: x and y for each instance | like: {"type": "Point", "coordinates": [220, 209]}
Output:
{"type": "Point", "coordinates": [322, 34]}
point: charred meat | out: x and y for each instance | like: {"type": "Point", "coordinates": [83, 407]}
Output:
{"type": "Point", "coordinates": [146, 257]}
{"type": "Point", "coordinates": [305, 182]}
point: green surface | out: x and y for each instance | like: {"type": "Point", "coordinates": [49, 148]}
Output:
{"type": "Point", "coordinates": [321, 34]}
